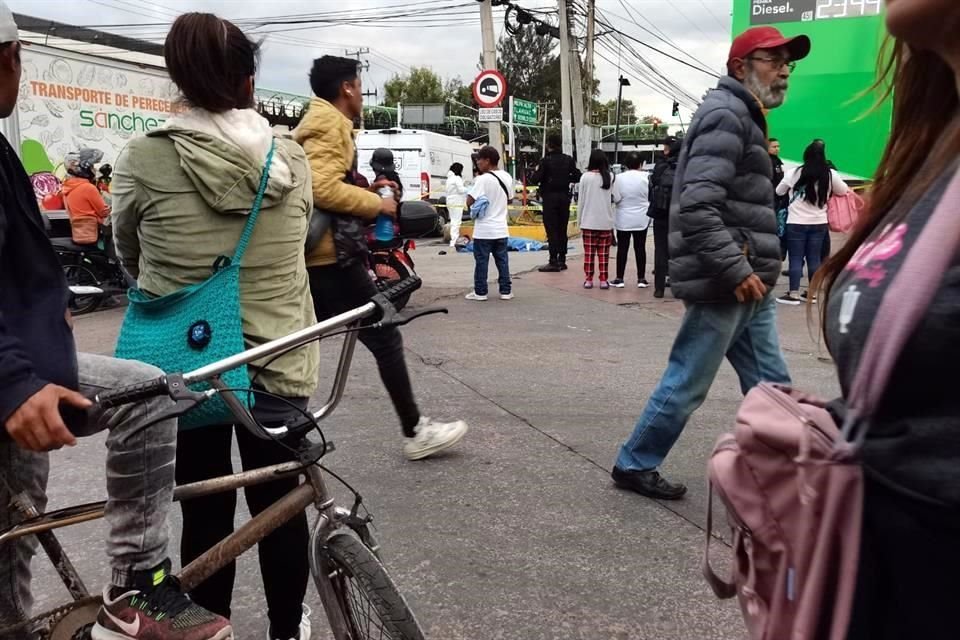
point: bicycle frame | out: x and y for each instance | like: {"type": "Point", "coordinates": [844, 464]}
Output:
{"type": "Point", "coordinates": [313, 491]}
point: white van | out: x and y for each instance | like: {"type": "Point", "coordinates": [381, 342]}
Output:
{"type": "Point", "coordinates": [422, 158]}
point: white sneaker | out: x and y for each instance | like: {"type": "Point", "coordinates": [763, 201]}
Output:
{"type": "Point", "coordinates": [433, 437]}
{"type": "Point", "coordinates": [506, 296]}
{"type": "Point", "coordinates": [304, 626]}
{"type": "Point", "coordinates": [473, 296]}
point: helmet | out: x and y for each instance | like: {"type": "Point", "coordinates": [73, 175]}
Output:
{"type": "Point", "coordinates": [81, 162]}
{"type": "Point", "coordinates": [382, 160]}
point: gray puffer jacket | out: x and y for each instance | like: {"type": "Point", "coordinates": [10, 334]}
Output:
{"type": "Point", "coordinates": [722, 223]}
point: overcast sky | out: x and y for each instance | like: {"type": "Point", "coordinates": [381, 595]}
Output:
{"type": "Point", "coordinates": [698, 27]}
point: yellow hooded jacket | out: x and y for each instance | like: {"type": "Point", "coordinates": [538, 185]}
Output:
{"type": "Point", "coordinates": [327, 138]}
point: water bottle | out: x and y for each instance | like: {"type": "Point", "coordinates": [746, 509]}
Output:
{"type": "Point", "coordinates": [384, 231]}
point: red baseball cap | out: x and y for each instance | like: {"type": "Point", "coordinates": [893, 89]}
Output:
{"type": "Point", "coordinates": [768, 38]}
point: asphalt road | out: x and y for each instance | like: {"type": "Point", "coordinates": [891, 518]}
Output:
{"type": "Point", "coordinates": [518, 533]}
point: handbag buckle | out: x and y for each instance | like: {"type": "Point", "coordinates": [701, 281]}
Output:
{"type": "Point", "coordinates": [221, 263]}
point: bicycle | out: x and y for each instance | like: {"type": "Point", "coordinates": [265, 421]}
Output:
{"type": "Point", "coordinates": [352, 582]}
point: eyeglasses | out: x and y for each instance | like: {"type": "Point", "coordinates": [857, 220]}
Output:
{"type": "Point", "coordinates": [776, 63]}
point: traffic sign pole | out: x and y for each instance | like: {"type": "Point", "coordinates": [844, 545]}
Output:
{"type": "Point", "coordinates": [490, 62]}
{"type": "Point", "coordinates": [513, 142]}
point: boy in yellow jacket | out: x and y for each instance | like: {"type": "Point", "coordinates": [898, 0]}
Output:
{"type": "Point", "coordinates": [338, 285]}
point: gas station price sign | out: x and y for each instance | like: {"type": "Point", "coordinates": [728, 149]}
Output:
{"type": "Point", "coordinates": [776, 11]}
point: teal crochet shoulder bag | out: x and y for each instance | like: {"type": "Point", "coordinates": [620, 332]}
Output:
{"type": "Point", "coordinates": [195, 326]}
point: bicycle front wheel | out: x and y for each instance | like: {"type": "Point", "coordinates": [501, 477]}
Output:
{"type": "Point", "coordinates": [367, 597]}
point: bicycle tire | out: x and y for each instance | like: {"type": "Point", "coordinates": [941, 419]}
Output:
{"type": "Point", "coordinates": [363, 587]}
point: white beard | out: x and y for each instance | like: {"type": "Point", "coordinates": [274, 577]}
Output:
{"type": "Point", "coordinates": [769, 97]}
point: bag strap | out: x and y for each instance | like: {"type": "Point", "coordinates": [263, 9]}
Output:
{"type": "Point", "coordinates": [903, 306]}
{"type": "Point", "coordinates": [255, 210]}
{"type": "Point", "coordinates": [506, 191]}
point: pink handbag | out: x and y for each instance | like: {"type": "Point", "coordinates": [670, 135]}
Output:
{"type": "Point", "coordinates": [843, 211]}
{"type": "Point", "coordinates": [791, 481]}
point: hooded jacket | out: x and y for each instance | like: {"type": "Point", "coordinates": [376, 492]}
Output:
{"type": "Point", "coordinates": [86, 209]}
{"type": "Point", "coordinates": [456, 190]}
{"type": "Point", "coordinates": [327, 138]}
{"type": "Point", "coordinates": [181, 196]}
{"type": "Point", "coordinates": [722, 224]}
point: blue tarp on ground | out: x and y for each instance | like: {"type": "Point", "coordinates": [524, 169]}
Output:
{"type": "Point", "coordinates": [513, 244]}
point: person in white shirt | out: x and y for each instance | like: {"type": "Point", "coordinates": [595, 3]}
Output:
{"type": "Point", "coordinates": [456, 198]}
{"type": "Point", "coordinates": [810, 187]}
{"type": "Point", "coordinates": [631, 195]}
{"type": "Point", "coordinates": [488, 201]}
{"type": "Point", "coordinates": [595, 209]}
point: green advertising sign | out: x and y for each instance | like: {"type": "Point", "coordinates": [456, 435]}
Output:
{"type": "Point", "coordinates": [825, 97]}
{"type": "Point", "coordinates": [525, 112]}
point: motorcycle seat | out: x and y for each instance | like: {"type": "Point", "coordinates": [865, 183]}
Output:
{"type": "Point", "coordinates": [67, 244]}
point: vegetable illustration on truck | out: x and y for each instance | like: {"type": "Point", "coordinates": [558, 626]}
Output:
{"type": "Point", "coordinates": [70, 100]}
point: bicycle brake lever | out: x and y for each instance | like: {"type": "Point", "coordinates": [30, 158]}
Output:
{"type": "Point", "coordinates": [400, 320]}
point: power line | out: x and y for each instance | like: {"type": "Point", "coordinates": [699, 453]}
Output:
{"type": "Point", "coordinates": [691, 22]}
{"type": "Point", "coordinates": [666, 40]}
{"type": "Point", "coordinates": [714, 16]}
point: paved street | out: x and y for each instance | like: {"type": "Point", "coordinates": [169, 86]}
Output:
{"type": "Point", "coordinates": [519, 533]}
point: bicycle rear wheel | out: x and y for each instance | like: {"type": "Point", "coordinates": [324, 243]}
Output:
{"type": "Point", "coordinates": [367, 597]}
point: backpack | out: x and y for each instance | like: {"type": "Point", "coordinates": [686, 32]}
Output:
{"type": "Point", "coordinates": [843, 211]}
{"type": "Point", "coordinates": [662, 190]}
{"type": "Point", "coordinates": [791, 480]}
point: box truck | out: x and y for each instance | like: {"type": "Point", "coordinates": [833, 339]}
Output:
{"type": "Point", "coordinates": [71, 100]}
{"type": "Point", "coordinates": [422, 159]}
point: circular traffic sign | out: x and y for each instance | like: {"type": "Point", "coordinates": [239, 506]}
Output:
{"type": "Point", "coordinates": [490, 88]}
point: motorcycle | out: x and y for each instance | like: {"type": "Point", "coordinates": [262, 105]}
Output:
{"type": "Point", "coordinates": [93, 274]}
{"type": "Point", "coordinates": [390, 262]}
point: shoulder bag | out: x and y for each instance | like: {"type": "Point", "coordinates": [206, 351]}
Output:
{"type": "Point", "coordinates": [196, 325]}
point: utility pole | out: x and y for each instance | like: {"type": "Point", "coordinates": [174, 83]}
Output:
{"type": "Point", "coordinates": [579, 124]}
{"type": "Point", "coordinates": [490, 62]}
{"type": "Point", "coordinates": [364, 66]}
{"type": "Point", "coordinates": [591, 35]}
{"type": "Point", "coordinates": [566, 126]}
{"type": "Point", "coordinates": [546, 110]}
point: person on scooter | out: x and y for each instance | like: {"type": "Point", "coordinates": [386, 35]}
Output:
{"type": "Point", "coordinates": [384, 168]}
{"type": "Point", "coordinates": [84, 204]}
{"type": "Point", "coordinates": [44, 386]}
{"type": "Point", "coordinates": [339, 279]}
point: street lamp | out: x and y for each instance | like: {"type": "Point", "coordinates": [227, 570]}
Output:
{"type": "Point", "coordinates": [624, 82]}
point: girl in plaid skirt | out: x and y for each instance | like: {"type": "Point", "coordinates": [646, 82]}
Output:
{"type": "Point", "coordinates": [595, 207]}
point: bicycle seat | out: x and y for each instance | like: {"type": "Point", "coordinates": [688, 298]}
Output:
{"type": "Point", "coordinates": [67, 244]}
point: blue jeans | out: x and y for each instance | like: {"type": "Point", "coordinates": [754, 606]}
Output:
{"type": "Point", "coordinates": [746, 334]}
{"type": "Point", "coordinates": [481, 254]}
{"type": "Point", "coordinates": [804, 242]}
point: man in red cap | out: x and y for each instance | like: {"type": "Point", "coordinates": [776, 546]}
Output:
{"type": "Point", "coordinates": [724, 253]}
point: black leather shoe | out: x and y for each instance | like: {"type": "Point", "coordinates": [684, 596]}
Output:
{"type": "Point", "coordinates": [658, 293]}
{"type": "Point", "coordinates": [549, 268]}
{"type": "Point", "coordinates": [647, 483]}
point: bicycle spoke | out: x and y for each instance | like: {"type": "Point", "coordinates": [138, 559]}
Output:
{"type": "Point", "coordinates": [361, 615]}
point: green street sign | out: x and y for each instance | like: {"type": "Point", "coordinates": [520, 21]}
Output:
{"type": "Point", "coordinates": [525, 112]}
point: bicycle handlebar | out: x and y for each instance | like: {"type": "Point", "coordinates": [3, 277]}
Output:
{"type": "Point", "coordinates": [404, 287]}
{"type": "Point", "coordinates": [381, 305]}
{"type": "Point", "coordinates": [132, 393]}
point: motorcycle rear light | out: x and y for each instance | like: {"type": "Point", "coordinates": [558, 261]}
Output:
{"type": "Point", "coordinates": [411, 245]}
